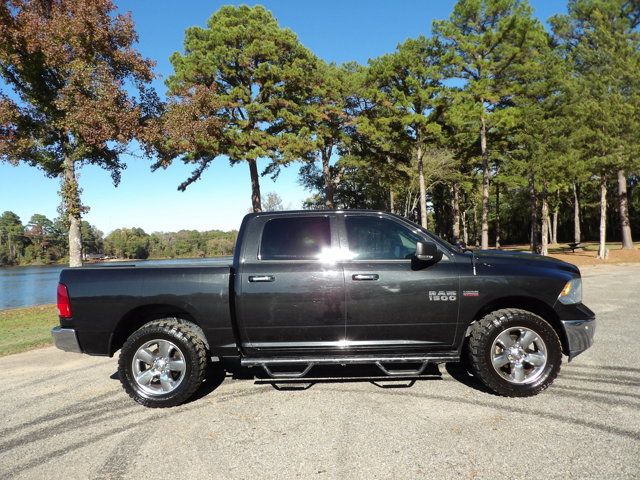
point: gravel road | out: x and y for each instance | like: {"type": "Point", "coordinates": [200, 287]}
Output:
{"type": "Point", "coordinates": [65, 416]}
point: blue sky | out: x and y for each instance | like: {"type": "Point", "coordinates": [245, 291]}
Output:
{"type": "Point", "coordinates": [336, 31]}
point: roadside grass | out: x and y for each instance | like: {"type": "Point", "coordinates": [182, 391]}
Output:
{"type": "Point", "coordinates": [22, 329]}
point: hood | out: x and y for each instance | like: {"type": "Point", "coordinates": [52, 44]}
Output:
{"type": "Point", "coordinates": [495, 257]}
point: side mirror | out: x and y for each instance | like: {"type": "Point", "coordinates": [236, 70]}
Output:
{"type": "Point", "coordinates": [428, 252]}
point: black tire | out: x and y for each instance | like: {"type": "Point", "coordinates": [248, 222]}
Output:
{"type": "Point", "coordinates": [192, 349]}
{"type": "Point", "coordinates": [482, 344]}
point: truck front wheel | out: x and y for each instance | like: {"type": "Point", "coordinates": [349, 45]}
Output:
{"type": "Point", "coordinates": [162, 364]}
{"type": "Point", "coordinates": [515, 353]}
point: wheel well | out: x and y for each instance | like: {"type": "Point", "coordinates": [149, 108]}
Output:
{"type": "Point", "coordinates": [140, 316]}
{"type": "Point", "coordinates": [532, 305]}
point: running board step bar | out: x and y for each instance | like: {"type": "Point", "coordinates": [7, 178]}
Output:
{"type": "Point", "coordinates": [383, 363]}
{"type": "Point", "coordinates": [273, 374]}
{"type": "Point", "coordinates": [400, 372]}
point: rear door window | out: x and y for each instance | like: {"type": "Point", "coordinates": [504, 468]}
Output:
{"type": "Point", "coordinates": [299, 238]}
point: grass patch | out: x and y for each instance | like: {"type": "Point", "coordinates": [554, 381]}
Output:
{"type": "Point", "coordinates": [22, 329]}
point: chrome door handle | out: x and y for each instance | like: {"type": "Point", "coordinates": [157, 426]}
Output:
{"type": "Point", "coordinates": [366, 276]}
{"type": "Point", "coordinates": [262, 278]}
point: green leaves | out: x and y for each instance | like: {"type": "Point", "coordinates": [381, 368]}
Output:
{"type": "Point", "coordinates": [486, 43]}
{"type": "Point", "coordinates": [603, 48]}
{"type": "Point", "coordinates": [404, 86]}
{"type": "Point", "coordinates": [240, 89]}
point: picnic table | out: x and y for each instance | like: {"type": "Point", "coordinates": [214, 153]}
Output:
{"type": "Point", "coordinates": [574, 245]}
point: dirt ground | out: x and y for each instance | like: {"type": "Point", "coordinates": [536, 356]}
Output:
{"type": "Point", "coordinates": [588, 257]}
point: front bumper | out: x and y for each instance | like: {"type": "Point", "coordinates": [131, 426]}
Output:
{"type": "Point", "coordinates": [579, 335]}
{"type": "Point", "coordinates": [66, 339]}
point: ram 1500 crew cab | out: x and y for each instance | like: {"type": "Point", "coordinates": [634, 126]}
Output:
{"type": "Point", "coordinates": [308, 288]}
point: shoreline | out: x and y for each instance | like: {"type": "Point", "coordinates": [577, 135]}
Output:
{"type": "Point", "coordinates": [39, 305]}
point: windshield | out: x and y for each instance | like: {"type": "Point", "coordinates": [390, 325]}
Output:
{"type": "Point", "coordinates": [433, 236]}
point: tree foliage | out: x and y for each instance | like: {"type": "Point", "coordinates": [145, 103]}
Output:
{"type": "Point", "coordinates": [602, 46]}
{"type": "Point", "coordinates": [491, 127]}
{"type": "Point", "coordinates": [485, 41]}
{"type": "Point", "coordinates": [65, 65]}
{"type": "Point", "coordinates": [237, 90]}
{"type": "Point", "coordinates": [135, 243]}
{"type": "Point", "coordinates": [327, 121]}
{"type": "Point", "coordinates": [404, 87]}
{"type": "Point", "coordinates": [41, 240]}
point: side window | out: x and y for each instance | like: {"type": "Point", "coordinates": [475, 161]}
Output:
{"type": "Point", "coordinates": [373, 238]}
{"type": "Point", "coordinates": [300, 238]}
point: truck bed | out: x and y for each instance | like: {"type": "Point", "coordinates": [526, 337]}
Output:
{"type": "Point", "coordinates": [110, 302]}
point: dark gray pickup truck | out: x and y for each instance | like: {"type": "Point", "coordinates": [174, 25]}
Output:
{"type": "Point", "coordinates": [312, 288]}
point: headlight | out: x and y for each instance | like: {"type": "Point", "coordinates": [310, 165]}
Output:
{"type": "Point", "coordinates": [572, 292]}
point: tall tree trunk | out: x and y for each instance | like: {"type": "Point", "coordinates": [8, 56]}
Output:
{"type": "Point", "coordinates": [577, 235]}
{"type": "Point", "coordinates": [602, 247]}
{"type": "Point", "coordinates": [392, 197]}
{"type": "Point", "coordinates": [627, 240]}
{"type": "Point", "coordinates": [256, 201]}
{"type": "Point", "coordinates": [533, 205]}
{"type": "Point", "coordinates": [455, 209]}
{"type": "Point", "coordinates": [465, 232]}
{"type": "Point", "coordinates": [406, 204]}
{"type": "Point", "coordinates": [328, 181]}
{"type": "Point", "coordinates": [423, 189]}
{"type": "Point", "coordinates": [11, 247]}
{"type": "Point", "coordinates": [475, 226]}
{"type": "Point", "coordinates": [545, 224]}
{"type": "Point", "coordinates": [554, 231]}
{"type": "Point", "coordinates": [497, 215]}
{"type": "Point", "coordinates": [71, 195]}
{"type": "Point", "coordinates": [484, 244]}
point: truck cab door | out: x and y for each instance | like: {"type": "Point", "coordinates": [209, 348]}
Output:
{"type": "Point", "coordinates": [290, 295]}
{"type": "Point", "coordinates": [391, 305]}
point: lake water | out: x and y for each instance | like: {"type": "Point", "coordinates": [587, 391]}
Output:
{"type": "Point", "coordinates": [27, 286]}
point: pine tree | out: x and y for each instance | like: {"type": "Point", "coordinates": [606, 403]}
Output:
{"type": "Point", "coordinates": [484, 42]}
{"type": "Point", "coordinates": [239, 89]}
{"type": "Point", "coordinates": [404, 89]}
{"type": "Point", "coordinates": [604, 50]}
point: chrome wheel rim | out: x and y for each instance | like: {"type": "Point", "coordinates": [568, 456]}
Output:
{"type": "Point", "coordinates": [519, 355]}
{"type": "Point", "coordinates": [158, 367]}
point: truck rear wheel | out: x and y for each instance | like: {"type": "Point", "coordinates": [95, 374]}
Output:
{"type": "Point", "coordinates": [162, 364]}
{"type": "Point", "coordinates": [515, 353]}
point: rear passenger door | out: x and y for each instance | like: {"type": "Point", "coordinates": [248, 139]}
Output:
{"type": "Point", "coordinates": [292, 296]}
{"type": "Point", "coordinates": [390, 305]}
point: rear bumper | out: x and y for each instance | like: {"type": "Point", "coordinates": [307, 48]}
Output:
{"type": "Point", "coordinates": [66, 339]}
{"type": "Point", "coordinates": [579, 335]}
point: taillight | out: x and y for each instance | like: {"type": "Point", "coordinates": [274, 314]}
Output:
{"type": "Point", "coordinates": [64, 306]}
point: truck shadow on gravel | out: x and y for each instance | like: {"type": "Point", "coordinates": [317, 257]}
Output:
{"type": "Point", "coordinates": [608, 367]}
{"type": "Point", "coordinates": [328, 374]}
{"type": "Point", "coordinates": [214, 377]}
{"type": "Point", "coordinates": [575, 387]}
